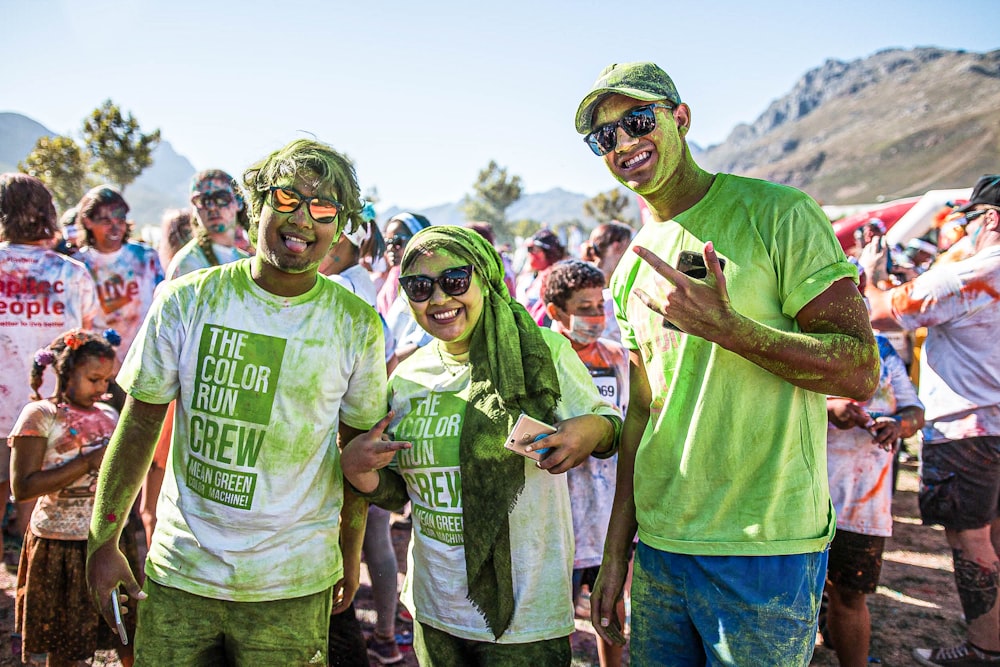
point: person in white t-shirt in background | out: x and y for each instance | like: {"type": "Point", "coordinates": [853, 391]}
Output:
{"type": "Point", "coordinates": [341, 265]}
{"type": "Point", "coordinates": [959, 303]}
{"type": "Point", "coordinates": [216, 205]}
{"type": "Point", "coordinates": [42, 293]}
{"type": "Point", "coordinates": [126, 273]}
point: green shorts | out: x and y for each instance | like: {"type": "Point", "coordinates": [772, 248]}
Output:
{"type": "Point", "coordinates": [437, 648]}
{"type": "Point", "coordinates": [180, 629]}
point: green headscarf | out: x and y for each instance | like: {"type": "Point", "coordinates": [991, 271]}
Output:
{"type": "Point", "coordinates": [505, 349]}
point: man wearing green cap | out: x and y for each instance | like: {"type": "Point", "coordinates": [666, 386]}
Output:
{"type": "Point", "coordinates": [723, 467]}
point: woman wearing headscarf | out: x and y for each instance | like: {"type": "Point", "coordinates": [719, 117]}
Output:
{"type": "Point", "coordinates": [492, 549]}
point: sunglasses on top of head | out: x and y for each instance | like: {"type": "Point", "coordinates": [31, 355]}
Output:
{"type": "Point", "coordinates": [288, 200]}
{"type": "Point", "coordinates": [637, 122]}
{"type": "Point", "coordinates": [453, 282]}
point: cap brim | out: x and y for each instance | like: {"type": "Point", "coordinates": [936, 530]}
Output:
{"type": "Point", "coordinates": [967, 207]}
{"type": "Point", "coordinates": [585, 112]}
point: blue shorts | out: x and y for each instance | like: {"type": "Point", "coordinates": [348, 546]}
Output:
{"type": "Point", "coordinates": [725, 610]}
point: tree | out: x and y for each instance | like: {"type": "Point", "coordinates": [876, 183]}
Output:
{"type": "Point", "coordinates": [494, 193]}
{"type": "Point", "coordinates": [118, 147]}
{"type": "Point", "coordinates": [608, 206]}
{"type": "Point", "coordinates": [60, 163]}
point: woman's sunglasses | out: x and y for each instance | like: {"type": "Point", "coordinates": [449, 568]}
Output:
{"type": "Point", "coordinates": [287, 200]}
{"type": "Point", "coordinates": [453, 282]}
{"type": "Point", "coordinates": [637, 122]}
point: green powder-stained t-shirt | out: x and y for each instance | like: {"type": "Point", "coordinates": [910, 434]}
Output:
{"type": "Point", "coordinates": [250, 505]}
{"type": "Point", "coordinates": [733, 459]}
{"type": "Point", "coordinates": [429, 394]}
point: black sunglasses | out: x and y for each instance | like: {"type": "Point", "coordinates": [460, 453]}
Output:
{"type": "Point", "coordinates": [637, 122]}
{"type": "Point", "coordinates": [972, 215]}
{"type": "Point", "coordinates": [397, 241]}
{"type": "Point", "coordinates": [220, 198]}
{"type": "Point", "coordinates": [453, 282]}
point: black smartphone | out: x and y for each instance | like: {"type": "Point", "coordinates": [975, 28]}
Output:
{"type": "Point", "coordinates": [692, 263]}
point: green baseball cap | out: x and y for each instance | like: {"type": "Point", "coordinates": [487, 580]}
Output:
{"type": "Point", "coordinates": [643, 81]}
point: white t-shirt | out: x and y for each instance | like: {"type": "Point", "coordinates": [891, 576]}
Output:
{"type": "Point", "coordinates": [860, 471]}
{"type": "Point", "coordinates": [191, 258]}
{"type": "Point", "coordinates": [42, 294]}
{"type": "Point", "coordinates": [358, 281]}
{"type": "Point", "coordinates": [250, 505]}
{"type": "Point", "coordinates": [960, 363]}
{"type": "Point", "coordinates": [430, 402]}
{"type": "Point", "coordinates": [126, 280]}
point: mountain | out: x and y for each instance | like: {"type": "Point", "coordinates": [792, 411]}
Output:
{"type": "Point", "coordinates": [892, 125]}
{"type": "Point", "coordinates": [18, 135]}
{"type": "Point", "coordinates": [551, 207]}
{"type": "Point", "coordinates": [162, 186]}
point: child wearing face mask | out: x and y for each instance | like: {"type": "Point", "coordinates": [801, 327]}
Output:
{"type": "Point", "coordinates": [573, 293]}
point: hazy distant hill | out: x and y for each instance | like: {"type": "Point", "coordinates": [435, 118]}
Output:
{"type": "Point", "coordinates": [18, 135]}
{"type": "Point", "coordinates": [892, 125]}
{"type": "Point", "coordinates": [551, 207]}
{"type": "Point", "coordinates": [163, 185]}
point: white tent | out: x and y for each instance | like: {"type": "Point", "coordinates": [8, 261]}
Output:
{"type": "Point", "coordinates": [920, 219]}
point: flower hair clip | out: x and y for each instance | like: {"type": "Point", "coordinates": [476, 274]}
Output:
{"type": "Point", "coordinates": [112, 337]}
{"type": "Point", "coordinates": [74, 340]}
{"type": "Point", "coordinates": [44, 357]}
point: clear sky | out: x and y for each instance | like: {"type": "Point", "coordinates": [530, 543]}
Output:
{"type": "Point", "coordinates": [422, 95]}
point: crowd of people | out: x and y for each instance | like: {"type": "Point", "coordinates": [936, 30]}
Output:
{"type": "Point", "coordinates": [694, 455]}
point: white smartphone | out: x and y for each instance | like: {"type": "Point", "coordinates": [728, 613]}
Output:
{"type": "Point", "coordinates": [526, 432]}
{"type": "Point", "coordinates": [117, 608]}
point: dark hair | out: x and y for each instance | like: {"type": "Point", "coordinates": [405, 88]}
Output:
{"type": "Point", "coordinates": [175, 230]}
{"type": "Point", "coordinates": [26, 209]}
{"type": "Point", "coordinates": [550, 245]}
{"type": "Point", "coordinates": [68, 351]}
{"type": "Point", "coordinates": [612, 232]}
{"type": "Point", "coordinates": [95, 198]}
{"type": "Point", "coordinates": [568, 276]}
{"type": "Point", "coordinates": [484, 229]}
{"type": "Point", "coordinates": [373, 246]}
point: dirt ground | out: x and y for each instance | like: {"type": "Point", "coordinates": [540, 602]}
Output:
{"type": "Point", "coordinates": [915, 606]}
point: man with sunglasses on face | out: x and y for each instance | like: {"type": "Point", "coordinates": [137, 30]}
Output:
{"type": "Point", "coordinates": [722, 467]}
{"type": "Point", "coordinates": [257, 539]}
{"type": "Point", "coordinates": [216, 206]}
{"type": "Point", "coordinates": [960, 386]}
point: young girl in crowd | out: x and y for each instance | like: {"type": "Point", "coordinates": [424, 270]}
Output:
{"type": "Point", "coordinates": [58, 445]}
